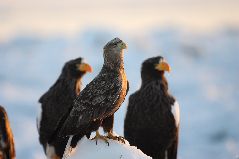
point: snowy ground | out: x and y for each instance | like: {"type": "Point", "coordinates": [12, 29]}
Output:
{"type": "Point", "coordinates": [114, 150]}
{"type": "Point", "coordinates": [204, 79]}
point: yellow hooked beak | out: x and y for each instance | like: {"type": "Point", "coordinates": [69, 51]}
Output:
{"type": "Point", "coordinates": [122, 45]}
{"type": "Point", "coordinates": [163, 66]}
{"type": "Point", "coordinates": [84, 67]}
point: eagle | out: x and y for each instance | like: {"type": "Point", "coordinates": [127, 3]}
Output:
{"type": "Point", "coordinates": [152, 118]}
{"type": "Point", "coordinates": [7, 149]}
{"type": "Point", "coordinates": [56, 104]}
{"type": "Point", "coordinates": [101, 98]}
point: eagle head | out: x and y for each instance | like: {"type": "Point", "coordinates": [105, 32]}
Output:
{"type": "Point", "coordinates": [154, 67]}
{"type": "Point", "coordinates": [115, 44]}
{"type": "Point", "coordinates": [113, 53]}
{"type": "Point", "coordinates": [76, 68]}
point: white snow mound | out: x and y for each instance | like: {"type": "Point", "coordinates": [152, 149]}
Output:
{"type": "Point", "coordinates": [87, 149]}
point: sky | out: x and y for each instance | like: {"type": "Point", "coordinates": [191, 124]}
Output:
{"type": "Point", "coordinates": [68, 17]}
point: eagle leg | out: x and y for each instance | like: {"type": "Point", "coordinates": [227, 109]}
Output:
{"type": "Point", "coordinates": [113, 137]}
{"type": "Point", "coordinates": [98, 136]}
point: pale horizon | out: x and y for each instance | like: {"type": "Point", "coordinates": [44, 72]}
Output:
{"type": "Point", "coordinates": [71, 17]}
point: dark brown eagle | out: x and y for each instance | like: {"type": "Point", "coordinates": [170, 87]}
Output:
{"type": "Point", "coordinates": [7, 149]}
{"type": "Point", "coordinates": [152, 119]}
{"type": "Point", "coordinates": [101, 98]}
{"type": "Point", "coordinates": [56, 104]}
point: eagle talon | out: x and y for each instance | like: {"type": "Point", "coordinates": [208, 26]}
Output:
{"type": "Point", "coordinates": [122, 139]}
{"type": "Point", "coordinates": [119, 138]}
{"type": "Point", "coordinates": [98, 136]}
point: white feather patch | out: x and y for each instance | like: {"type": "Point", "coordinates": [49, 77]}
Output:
{"type": "Point", "coordinates": [176, 113]}
{"type": "Point", "coordinates": [39, 117]}
{"type": "Point", "coordinates": [50, 151]}
{"type": "Point", "coordinates": [166, 154]}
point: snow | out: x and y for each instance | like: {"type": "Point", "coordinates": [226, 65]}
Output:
{"type": "Point", "coordinates": [204, 78]}
{"type": "Point", "coordinates": [87, 149]}
{"type": "Point", "coordinates": [176, 113]}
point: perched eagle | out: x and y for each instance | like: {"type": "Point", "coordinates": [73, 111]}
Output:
{"type": "Point", "coordinates": [101, 98]}
{"type": "Point", "coordinates": [56, 104]}
{"type": "Point", "coordinates": [152, 118]}
{"type": "Point", "coordinates": [7, 150]}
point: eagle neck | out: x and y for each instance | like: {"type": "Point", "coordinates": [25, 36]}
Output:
{"type": "Point", "coordinates": [159, 82]}
{"type": "Point", "coordinates": [114, 59]}
{"type": "Point", "coordinates": [117, 69]}
{"type": "Point", "coordinates": [70, 84]}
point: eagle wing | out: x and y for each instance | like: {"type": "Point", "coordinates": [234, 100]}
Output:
{"type": "Point", "coordinates": [96, 102]}
{"type": "Point", "coordinates": [55, 105]}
